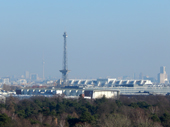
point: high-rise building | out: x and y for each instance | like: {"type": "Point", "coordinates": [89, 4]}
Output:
{"type": "Point", "coordinates": [27, 75]}
{"type": "Point", "coordinates": [134, 76]}
{"type": "Point", "coordinates": [162, 76]}
{"type": "Point", "coordinates": [162, 69]}
{"type": "Point", "coordinates": [141, 75]}
{"type": "Point", "coordinates": [6, 80]}
{"type": "Point", "coordinates": [34, 77]}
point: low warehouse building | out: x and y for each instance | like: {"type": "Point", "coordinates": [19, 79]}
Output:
{"type": "Point", "coordinates": [93, 94]}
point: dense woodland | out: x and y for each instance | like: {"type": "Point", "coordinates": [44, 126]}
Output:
{"type": "Point", "coordinates": [135, 111]}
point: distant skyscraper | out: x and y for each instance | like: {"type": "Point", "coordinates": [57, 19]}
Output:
{"type": "Point", "coordinates": [34, 77]}
{"type": "Point", "coordinates": [134, 76]}
{"type": "Point", "coordinates": [141, 76]}
{"type": "Point", "coordinates": [162, 76]}
{"type": "Point", "coordinates": [6, 80]}
{"type": "Point", "coordinates": [162, 69]}
{"type": "Point", "coordinates": [27, 75]}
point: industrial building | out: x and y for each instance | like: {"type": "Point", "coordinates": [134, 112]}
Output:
{"type": "Point", "coordinates": [70, 91]}
{"type": "Point", "coordinates": [108, 82]}
{"type": "Point", "coordinates": [93, 94]}
{"type": "Point", "coordinates": [125, 87]}
{"type": "Point", "coordinates": [96, 86]}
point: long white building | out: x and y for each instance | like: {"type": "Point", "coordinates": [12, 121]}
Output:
{"type": "Point", "coordinates": [109, 82]}
{"type": "Point", "coordinates": [123, 87]}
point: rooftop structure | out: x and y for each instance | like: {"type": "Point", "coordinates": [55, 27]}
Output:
{"type": "Point", "coordinates": [109, 82]}
{"type": "Point", "coordinates": [79, 86]}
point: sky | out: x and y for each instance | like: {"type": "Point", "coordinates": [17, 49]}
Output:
{"type": "Point", "coordinates": [105, 38]}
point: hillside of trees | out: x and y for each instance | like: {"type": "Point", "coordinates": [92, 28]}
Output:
{"type": "Point", "coordinates": [134, 111]}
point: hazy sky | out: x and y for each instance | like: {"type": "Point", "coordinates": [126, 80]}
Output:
{"type": "Point", "coordinates": [105, 38]}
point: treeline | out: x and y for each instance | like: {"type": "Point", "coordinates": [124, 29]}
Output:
{"type": "Point", "coordinates": [10, 87]}
{"type": "Point", "coordinates": [134, 111]}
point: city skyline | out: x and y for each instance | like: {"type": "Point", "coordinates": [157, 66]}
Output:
{"type": "Point", "coordinates": [141, 76]}
{"type": "Point", "coordinates": [105, 38]}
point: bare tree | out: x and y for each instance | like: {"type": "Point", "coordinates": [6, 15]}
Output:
{"type": "Point", "coordinates": [6, 87]}
{"type": "Point", "coordinates": [115, 120]}
{"type": "Point", "coordinates": [62, 122]}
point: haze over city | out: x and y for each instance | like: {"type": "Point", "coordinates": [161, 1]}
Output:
{"type": "Point", "coordinates": [90, 63]}
{"type": "Point", "coordinates": [105, 38]}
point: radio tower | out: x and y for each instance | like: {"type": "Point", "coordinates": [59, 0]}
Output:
{"type": "Point", "coordinates": [65, 70]}
{"type": "Point", "coordinates": [43, 69]}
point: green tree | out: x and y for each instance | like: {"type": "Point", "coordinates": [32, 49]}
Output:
{"type": "Point", "coordinates": [4, 119]}
{"type": "Point", "coordinates": [86, 117]}
{"type": "Point", "coordinates": [119, 103]}
{"type": "Point", "coordinates": [143, 104]}
{"type": "Point", "coordinates": [134, 105]}
{"type": "Point", "coordinates": [165, 119]}
{"type": "Point", "coordinates": [21, 113]}
{"type": "Point", "coordinates": [155, 118]}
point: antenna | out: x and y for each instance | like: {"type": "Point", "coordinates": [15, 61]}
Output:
{"type": "Point", "coordinates": [65, 70]}
{"type": "Point", "coordinates": [43, 67]}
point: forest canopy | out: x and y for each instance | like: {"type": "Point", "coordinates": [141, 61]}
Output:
{"type": "Point", "coordinates": [134, 111]}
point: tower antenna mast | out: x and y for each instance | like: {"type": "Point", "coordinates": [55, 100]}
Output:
{"type": "Point", "coordinates": [43, 68]}
{"type": "Point", "coordinates": [65, 71]}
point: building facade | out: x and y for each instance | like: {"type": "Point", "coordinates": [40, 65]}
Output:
{"type": "Point", "coordinates": [162, 76]}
